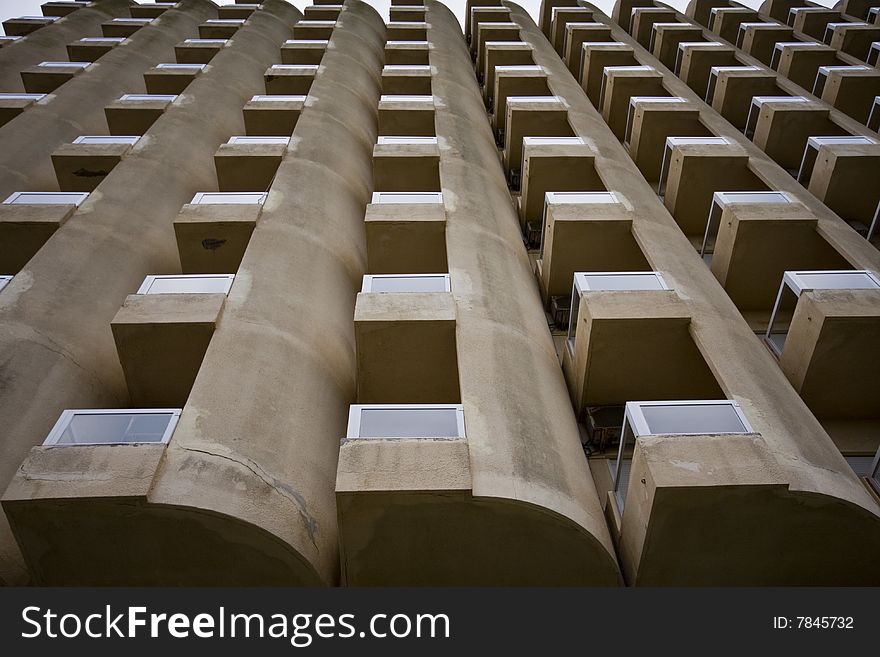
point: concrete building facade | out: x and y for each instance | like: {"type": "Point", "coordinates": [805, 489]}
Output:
{"type": "Point", "coordinates": [321, 299]}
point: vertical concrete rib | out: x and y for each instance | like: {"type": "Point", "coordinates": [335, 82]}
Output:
{"type": "Point", "coordinates": [50, 43]}
{"type": "Point", "coordinates": [56, 347]}
{"type": "Point", "coordinates": [797, 532]}
{"type": "Point", "coordinates": [520, 507]}
{"type": "Point", "coordinates": [77, 106]}
{"type": "Point", "coordinates": [287, 336]}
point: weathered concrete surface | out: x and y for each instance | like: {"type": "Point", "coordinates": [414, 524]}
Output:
{"type": "Point", "coordinates": [49, 43]}
{"type": "Point", "coordinates": [77, 107]}
{"type": "Point", "coordinates": [56, 346]}
{"type": "Point", "coordinates": [287, 335]}
{"type": "Point", "coordinates": [531, 514]}
{"type": "Point", "coordinates": [823, 494]}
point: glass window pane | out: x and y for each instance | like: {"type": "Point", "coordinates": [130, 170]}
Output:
{"type": "Point", "coordinates": [190, 285]}
{"type": "Point", "coordinates": [692, 418]}
{"type": "Point", "coordinates": [115, 428]}
{"type": "Point", "coordinates": [408, 284]}
{"type": "Point", "coordinates": [854, 280]}
{"type": "Point", "coordinates": [409, 423]}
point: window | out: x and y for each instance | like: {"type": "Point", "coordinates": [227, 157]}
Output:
{"type": "Point", "coordinates": [64, 64]}
{"type": "Point", "coordinates": [205, 42]}
{"type": "Point", "coordinates": [823, 73]}
{"type": "Point", "coordinates": [631, 112]}
{"type": "Point", "coordinates": [875, 223]}
{"type": "Point", "coordinates": [414, 68]}
{"type": "Point", "coordinates": [407, 197]}
{"type": "Point", "coordinates": [684, 45]}
{"type": "Point", "coordinates": [46, 198]}
{"type": "Point", "coordinates": [407, 140]}
{"type": "Point", "coordinates": [34, 97]}
{"type": "Point", "coordinates": [811, 151]}
{"type": "Point", "coordinates": [102, 40]}
{"type": "Point", "coordinates": [198, 67]}
{"type": "Point", "coordinates": [187, 284]}
{"type": "Point", "coordinates": [614, 69]}
{"type": "Point", "coordinates": [618, 281]}
{"type": "Point", "coordinates": [874, 115]}
{"type": "Point", "coordinates": [106, 139]}
{"type": "Point", "coordinates": [796, 282]}
{"type": "Point", "coordinates": [301, 68]}
{"type": "Point", "coordinates": [140, 98]}
{"type": "Point", "coordinates": [755, 109]}
{"type": "Point", "coordinates": [674, 418]}
{"type": "Point", "coordinates": [396, 283]}
{"type": "Point", "coordinates": [654, 32]}
{"type": "Point", "coordinates": [861, 465]}
{"type": "Point", "coordinates": [715, 71]}
{"type": "Point", "coordinates": [743, 28]}
{"type": "Point", "coordinates": [241, 139]}
{"type": "Point", "coordinates": [779, 48]}
{"type": "Point", "coordinates": [400, 98]}
{"type": "Point", "coordinates": [4, 281]}
{"type": "Point", "coordinates": [125, 426]}
{"type": "Point", "coordinates": [280, 98]}
{"type": "Point", "coordinates": [829, 31]}
{"type": "Point", "coordinates": [406, 421]}
{"type": "Point", "coordinates": [874, 52]}
{"type": "Point", "coordinates": [720, 201]}
{"type": "Point", "coordinates": [671, 144]}
{"type": "Point", "coordinates": [572, 198]}
{"type": "Point", "coordinates": [874, 476]}
{"type": "Point", "coordinates": [230, 198]}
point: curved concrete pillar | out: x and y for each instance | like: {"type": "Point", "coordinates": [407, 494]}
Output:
{"type": "Point", "coordinates": [777, 507]}
{"type": "Point", "coordinates": [514, 504]}
{"type": "Point", "coordinates": [57, 348]}
{"type": "Point", "coordinates": [50, 43]}
{"type": "Point", "coordinates": [267, 465]}
{"type": "Point", "coordinates": [77, 107]}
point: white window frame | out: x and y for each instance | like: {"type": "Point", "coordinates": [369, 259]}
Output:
{"type": "Point", "coordinates": [146, 98]}
{"type": "Point", "coordinates": [367, 285]}
{"type": "Point", "coordinates": [616, 69]}
{"type": "Point", "coordinates": [311, 42]}
{"type": "Point", "coordinates": [814, 143]}
{"type": "Point", "coordinates": [202, 42]}
{"type": "Point", "coordinates": [573, 198]}
{"type": "Point", "coordinates": [354, 419]}
{"type": "Point", "coordinates": [394, 140]}
{"type": "Point", "coordinates": [755, 110]}
{"type": "Point", "coordinates": [182, 67]}
{"type": "Point", "coordinates": [199, 197]}
{"type": "Point", "coordinates": [21, 96]}
{"type": "Point", "coordinates": [114, 40]}
{"type": "Point", "coordinates": [415, 99]}
{"type": "Point", "coordinates": [299, 68]}
{"type": "Point", "coordinates": [295, 98]}
{"type": "Point", "coordinates": [412, 68]}
{"type": "Point", "coordinates": [131, 140]}
{"type": "Point", "coordinates": [581, 285]}
{"type": "Point", "coordinates": [68, 415]}
{"type": "Point", "coordinates": [631, 110]}
{"type": "Point", "coordinates": [12, 199]}
{"type": "Point", "coordinates": [254, 139]}
{"type": "Point", "coordinates": [79, 65]}
{"type": "Point", "coordinates": [720, 200]}
{"type": "Point", "coordinates": [4, 281]}
{"type": "Point", "coordinates": [715, 71]}
{"type": "Point", "coordinates": [684, 45]}
{"type": "Point", "coordinates": [672, 143]}
{"type": "Point", "coordinates": [634, 418]}
{"type": "Point", "coordinates": [131, 21]}
{"type": "Point", "coordinates": [793, 281]}
{"type": "Point", "coordinates": [149, 281]}
{"type": "Point", "coordinates": [429, 198]}
{"type": "Point", "coordinates": [225, 21]}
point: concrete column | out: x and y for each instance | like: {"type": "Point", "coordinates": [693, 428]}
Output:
{"type": "Point", "coordinates": [519, 507]}
{"type": "Point", "coordinates": [50, 43]}
{"type": "Point", "coordinates": [261, 470]}
{"type": "Point", "coordinates": [77, 107]}
{"type": "Point", "coordinates": [56, 347]}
